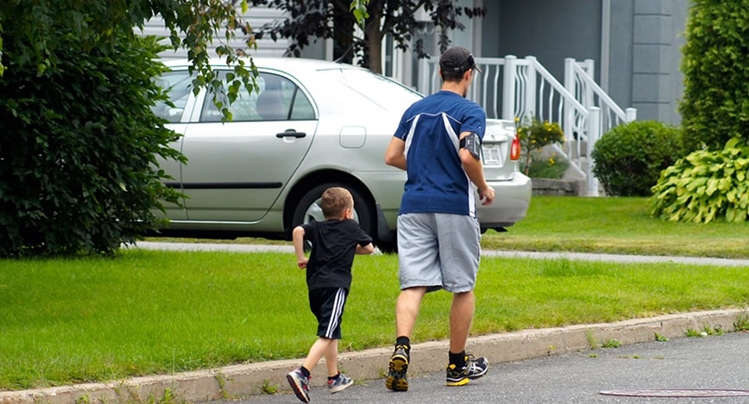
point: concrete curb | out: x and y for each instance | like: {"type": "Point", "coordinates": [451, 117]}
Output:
{"type": "Point", "coordinates": [243, 380]}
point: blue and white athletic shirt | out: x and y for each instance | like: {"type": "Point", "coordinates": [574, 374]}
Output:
{"type": "Point", "coordinates": [431, 128]}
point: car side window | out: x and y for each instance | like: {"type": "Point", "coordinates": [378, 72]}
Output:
{"type": "Point", "coordinates": [278, 99]}
{"type": "Point", "coordinates": [178, 86]}
{"type": "Point", "coordinates": [302, 108]}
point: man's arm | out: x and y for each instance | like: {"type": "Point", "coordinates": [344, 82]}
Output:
{"type": "Point", "coordinates": [395, 155]}
{"type": "Point", "coordinates": [475, 171]}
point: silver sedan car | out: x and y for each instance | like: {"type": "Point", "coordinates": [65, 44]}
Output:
{"type": "Point", "coordinates": [312, 124]}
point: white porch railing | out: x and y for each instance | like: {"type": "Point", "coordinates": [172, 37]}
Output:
{"type": "Point", "coordinates": [578, 80]}
{"type": "Point", "coordinates": [510, 87]}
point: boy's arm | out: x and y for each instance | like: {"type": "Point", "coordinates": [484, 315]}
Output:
{"type": "Point", "coordinates": [298, 237]}
{"type": "Point", "coordinates": [365, 249]}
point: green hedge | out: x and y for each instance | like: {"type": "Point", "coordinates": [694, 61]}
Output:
{"type": "Point", "coordinates": [715, 105]}
{"type": "Point", "coordinates": [77, 154]}
{"type": "Point", "coordinates": [629, 158]}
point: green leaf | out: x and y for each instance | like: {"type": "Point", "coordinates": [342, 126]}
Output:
{"type": "Point", "coordinates": [731, 144]}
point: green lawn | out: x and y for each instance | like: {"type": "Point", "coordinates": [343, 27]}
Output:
{"type": "Point", "coordinates": [156, 312]}
{"type": "Point", "coordinates": [617, 226]}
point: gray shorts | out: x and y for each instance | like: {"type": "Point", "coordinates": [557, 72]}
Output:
{"type": "Point", "coordinates": [439, 251]}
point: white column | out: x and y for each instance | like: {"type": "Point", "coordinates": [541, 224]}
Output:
{"type": "Point", "coordinates": [508, 88]}
{"type": "Point", "coordinates": [530, 89]}
{"type": "Point", "coordinates": [631, 114]}
{"type": "Point", "coordinates": [569, 85]}
{"type": "Point", "coordinates": [605, 43]}
{"type": "Point", "coordinates": [594, 132]}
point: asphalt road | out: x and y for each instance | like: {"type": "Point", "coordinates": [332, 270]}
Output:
{"type": "Point", "coordinates": [706, 367]}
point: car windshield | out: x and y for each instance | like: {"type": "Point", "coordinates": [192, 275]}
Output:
{"type": "Point", "coordinates": [386, 93]}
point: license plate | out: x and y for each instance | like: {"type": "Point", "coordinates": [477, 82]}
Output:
{"type": "Point", "coordinates": [492, 155]}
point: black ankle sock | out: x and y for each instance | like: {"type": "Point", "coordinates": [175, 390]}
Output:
{"type": "Point", "coordinates": [334, 377]}
{"type": "Point", "coordinates": [405, 341]}
{"type": "Point", "coordinates": [458, 359]}
{"type": "Point", "coordinates": [305, 372]}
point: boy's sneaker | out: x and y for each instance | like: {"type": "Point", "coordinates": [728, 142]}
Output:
{"type": "Point", "coordinates": [397, 380]}
{"type": "Point", "coordinates": [341, 382]}
{"type": "Point", "coordinates": [300, 384]}
{"type": "Point", "coordinates": [473, 369]}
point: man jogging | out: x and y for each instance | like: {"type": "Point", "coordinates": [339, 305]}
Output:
{"type": "Point", "coordinates": [438, 143]}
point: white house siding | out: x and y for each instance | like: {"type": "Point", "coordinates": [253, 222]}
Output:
{"type": "Point", "coordinates": [255, 16]}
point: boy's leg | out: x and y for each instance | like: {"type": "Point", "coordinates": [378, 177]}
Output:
{"type": "Point", "coordinates": [337, 381]}
{"type": "Point", "coordinates": [331, 358]}
{"type": "Point", "coordinates": [319, 348]}
{"type": "Point", "coordinates": [327, 306]}
{"type": "Point", "coordinates": [299, 379]}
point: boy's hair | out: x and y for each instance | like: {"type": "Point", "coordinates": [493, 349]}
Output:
{"type": "Point", "coordinates": [335, 200]}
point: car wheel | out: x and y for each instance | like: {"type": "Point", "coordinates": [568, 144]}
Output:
{"type": "Point", "coordinates": [309, 209]}
{"type": "Point", "coordinates": [389, 247]}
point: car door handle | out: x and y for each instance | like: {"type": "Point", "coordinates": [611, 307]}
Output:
{"type": "Point", "coordinates": [291, 133]}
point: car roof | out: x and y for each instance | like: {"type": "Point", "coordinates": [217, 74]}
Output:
{"type": "Point", "coordinates": [289, 64]}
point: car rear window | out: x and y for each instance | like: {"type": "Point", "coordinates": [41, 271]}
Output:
{"type": "Point", "coordinates": [386, 93]}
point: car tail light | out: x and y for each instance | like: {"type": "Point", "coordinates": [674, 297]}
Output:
{"type": "Point", "coordinates": [515, 149]}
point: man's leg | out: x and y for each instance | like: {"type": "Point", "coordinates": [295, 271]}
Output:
{"type": "Point", "coordinates": [462, 367]}
{"type": "Point", "coordinates": [461, 316]}
{"type": "Point", "coordinates": [407, 309]}
{"type": "Point", "coordinates": [459, 259]}
{"type": "Point", "coordinates": [418, 268]}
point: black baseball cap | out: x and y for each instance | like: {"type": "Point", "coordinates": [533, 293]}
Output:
{"type": "Point", "coordinates": [459, 59]}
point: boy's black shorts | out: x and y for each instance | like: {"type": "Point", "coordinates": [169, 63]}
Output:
{"type": "Point", "coordinates": [327, 305]}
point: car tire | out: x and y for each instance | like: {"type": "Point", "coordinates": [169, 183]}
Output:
{"type": "Point", "coordinates": [389, 247]}
{"type": "Point", "coordinates": [309, 209]}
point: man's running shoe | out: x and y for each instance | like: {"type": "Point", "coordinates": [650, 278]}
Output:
{"type": "Point", "coordinates": [397, 380]}
{"type": "Point", "coordinates": [473, 369]}
{"type": "Point", "coordinates": [300, 384]}
{"type": "Point", "coordinates": [341, 382]}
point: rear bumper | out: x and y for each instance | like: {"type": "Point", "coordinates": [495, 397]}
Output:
{"type": "Point", "coordinates": [510, 205]}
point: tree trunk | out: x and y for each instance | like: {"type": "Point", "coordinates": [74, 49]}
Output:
{"type": "Point", "coordinates": [343, 32]}
{"type": "Point", "coordinates": [373, 36]}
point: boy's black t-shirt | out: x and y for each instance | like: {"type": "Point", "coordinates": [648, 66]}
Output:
{"type": "Point", "coordinates": [333, 249]}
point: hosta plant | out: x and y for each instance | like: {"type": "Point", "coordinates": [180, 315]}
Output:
{"type": "Point", "coordinates": [705, 186]}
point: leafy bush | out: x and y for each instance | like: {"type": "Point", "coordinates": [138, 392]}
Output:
{"type": "Point", "coordinates": [715, 105]}
{"type": "Point", "coordinates": [552, 167]}
{"type": "Point", "coordinates": [79, 146]}
{"type": "Point", "coordinates": [629, 158]}
{"type": "Point", "coordinates": [534, 135]}
{"type": "Point", "coordinates": [705, 186]}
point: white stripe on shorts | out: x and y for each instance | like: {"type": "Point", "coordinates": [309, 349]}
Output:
{"type": "Point", "coordinates": [335, 316]}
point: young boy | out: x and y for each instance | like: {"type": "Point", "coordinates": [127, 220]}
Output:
{"type": "Point", "coordinates": [334, 244]}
